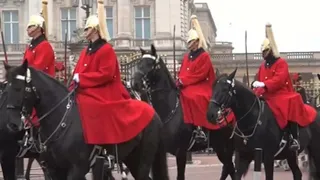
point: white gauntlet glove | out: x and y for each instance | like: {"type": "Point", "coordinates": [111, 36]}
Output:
{"type": "Point", "coordinates": [76, 78]}
{"type": "Point", "coordinates": [258, 84]}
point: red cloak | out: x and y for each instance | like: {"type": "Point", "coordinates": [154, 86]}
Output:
{"type": "Point", "coordinates": [108, 115]}
{"type": "Point", "coordinates": [197, 76]}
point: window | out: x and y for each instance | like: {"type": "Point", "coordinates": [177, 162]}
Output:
{"type": "Point", "coordinates": [142, 23]}
{"type": "Point", "coordinates": [11, 26]}
{"type": "Point", "coordinates": [109, 11]}
{"type": "Point", "coordinates": [68, 22]}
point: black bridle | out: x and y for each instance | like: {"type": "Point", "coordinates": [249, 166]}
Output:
{"type": "Point", "coordinates": [30, 94]}
{"type": "Point", "coordinates": [223, 106]}
{"type": "Point", "coordinates": [147, 86]}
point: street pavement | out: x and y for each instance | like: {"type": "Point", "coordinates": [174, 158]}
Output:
{"type": "Point", "coordinates": [203, 167]}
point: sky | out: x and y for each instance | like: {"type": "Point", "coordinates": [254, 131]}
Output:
{"type": "Point", "coordinates": [295, 23]}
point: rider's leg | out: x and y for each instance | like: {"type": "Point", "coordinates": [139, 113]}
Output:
{"type": "Point", "coordinates": [294, 131]}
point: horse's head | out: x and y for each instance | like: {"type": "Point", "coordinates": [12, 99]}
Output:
{"type": "Point", "coordinates": [147, 67]}
{"type": "Point", "coordinates": [223, 92]}
{"type": "Point", "coordinates": [21, 95]}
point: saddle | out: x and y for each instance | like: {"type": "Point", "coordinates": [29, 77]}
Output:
{"type": "Point", "coordinates": [286, 137]}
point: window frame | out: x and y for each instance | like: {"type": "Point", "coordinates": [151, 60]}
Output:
{"type": "Point", "coordinates": [11, 22]}
{"type": "Point", "coordinates": [68, 21]}
{"type": "Point", "coordinates": [143, 18]}
{"type": "Point", "coordinates": [108, 18]}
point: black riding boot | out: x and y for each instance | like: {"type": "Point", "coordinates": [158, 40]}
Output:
{"type": "Point", "coordinates": [294, 140]}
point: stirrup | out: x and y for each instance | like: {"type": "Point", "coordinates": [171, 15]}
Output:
{"type": "Point", "coordinates": [294, 145]}
{"type": "Point", "coordinates": [199, 134]}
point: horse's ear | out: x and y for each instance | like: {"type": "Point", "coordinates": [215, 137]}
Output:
{"type": "Point", "coordinates": [318, 76]}
{"type": "Point", "coordinates": [25, 64]}
{"type": "Point", "coordinates": [6, 65]}
{"type": "Point", "coordinates": [142, 51]}
{"type": "Point", "coordinates": [153, 50]}
{"type": "Point", "coordinates": [217, 72]}
{"type": "Point", "coordinates": [233, 74]}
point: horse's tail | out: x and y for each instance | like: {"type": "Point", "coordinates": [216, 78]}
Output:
{"type": "Point", "coordinates": [160, 166]}
{"type": "Point", "coordinates": [314, 165]}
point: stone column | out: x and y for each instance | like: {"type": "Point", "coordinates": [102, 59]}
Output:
{"type": "Point", "coordinates": [124, 18]}
{"type": "Point", "coordinates": [34, 7]}
{"type": "Point", "coordinates": [164, 20]}
{"type": "Point", "coordinates": [124, 21]}
{"type": "Point", "coordinates": [50, 18]}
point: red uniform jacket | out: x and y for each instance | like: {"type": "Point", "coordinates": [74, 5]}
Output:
{"type": "Point", "coordinates": [284, 102]}
{"type": "Point", "coordinates": [197, 76]}
{"type": "Point", "coordinates": [108, 114]}
{"type": "Point", "coordinates": [40, 55]}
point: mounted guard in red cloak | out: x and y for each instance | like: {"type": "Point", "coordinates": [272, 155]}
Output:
{"type": "Point", "coordinates": [108, 115]}
{"type": "Point", "coordinates": [275, 85]}
{"type": "Point", "coordinates": [195, 79]}
{"type": "Point", "coordinates": [39, 53]}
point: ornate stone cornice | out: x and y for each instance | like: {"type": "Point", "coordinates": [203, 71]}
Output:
{"type": "Point", "coordinates": [110, 2]}
{"type": "Point", "coordinates": [142, 2]}
{"type": "Point", "coordinates": [18, 2]}
{"type": "Point", "coordinates": [3, 3]}
{"type": "Point", "coordinates": [59, 1]}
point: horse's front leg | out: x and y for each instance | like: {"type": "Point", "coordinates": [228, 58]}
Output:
{"type": "Point", "coordinates": [181, 160]}
{"type": "Point", "coordinates": [225, 157]}
{"type": "Point", "coordinates": [293, 164]}
{"type": "Point", "coordinates": [243, 160]}
{"type": "Point", "coordinates": [268, 161]}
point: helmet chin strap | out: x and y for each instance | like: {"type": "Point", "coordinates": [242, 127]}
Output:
{"type": "Point", "coordinates": [267, 54]}
{"type": "Point", "coordinates": [89, 35]}
{"type": "Point", "coordinates": [192, 44]}
{"type": "Point", "coordinates": [32, 33]}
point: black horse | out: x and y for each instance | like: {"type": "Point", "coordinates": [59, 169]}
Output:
{"type": "Point", "coordinates": [257, 128]}
{"type": "Point", "coordinates": [60, 136]}
{"type": "Point", "coordinates": [153, 76]}
{"type": "Point", "coordinates": [9, 147]}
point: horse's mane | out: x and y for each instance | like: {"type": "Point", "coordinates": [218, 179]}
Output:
{"type": "Point", "coordinates": [45, 76]}
{"type": "Point", "coordinates": [16, 70]}
{"type": "Point", "coordinates": [167, 71]}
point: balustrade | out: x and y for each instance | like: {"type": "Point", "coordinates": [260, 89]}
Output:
{"type": "Point", "coordinates": [218, 58]}
{"type": "Point", "coordinates": [257, 56]}
{"type": "Point", "coordinates": [21, 47]}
